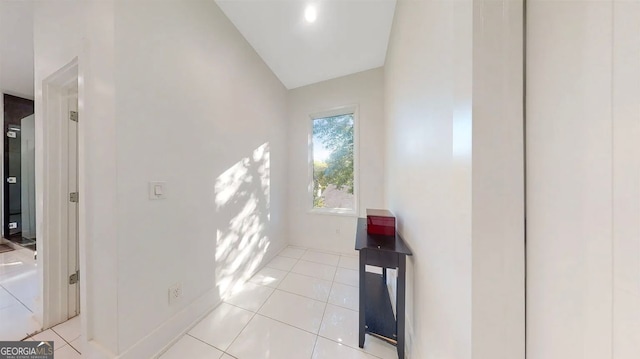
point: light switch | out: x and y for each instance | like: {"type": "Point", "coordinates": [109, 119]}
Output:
{"type": "Point", "coordinates": [157, 190]}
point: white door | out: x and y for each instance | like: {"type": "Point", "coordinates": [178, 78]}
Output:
{"type": "Point", "coordinates": [74, 284]}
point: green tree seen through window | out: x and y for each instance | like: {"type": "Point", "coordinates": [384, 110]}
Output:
{"type": "Point", "coordinates": [333, 156]}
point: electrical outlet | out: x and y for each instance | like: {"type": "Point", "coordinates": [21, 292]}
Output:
{"type": "Point", "coordinates": [175, 293]}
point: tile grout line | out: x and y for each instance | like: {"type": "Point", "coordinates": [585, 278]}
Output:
{"type": "Point", "coordinates": [357, 311]}
{"type": "Point", "coordinates": [339, 306]}
{"type": "Point", "coordinates": [65, 340]}
{"type": "Point", "coordinates": [361, 350]}
{"type": "Point", "coordinates": [278, 320]}
{"type": "Point", "coordinates": [202, 341]}
{"type": "Point", "coordinates": [305, 275]}
{"type": "Point", "coordinates": [233, 305]}
{"type": "Point", "coordinates": [318, 335]}
{"type": "Point", "coordinates": [324, 312]}
{"type": "Point", "coordinates": [245, 326]}
{"type": "Point", "coordinates": [16, 298]}
{"type": "Point", "coordinates": [240, 332]}
{"type": "Point", "coordinates": [315, 344]}
{"type": "Point", "coordinates": [302, 295]}
{"type": "Point", "coordinates": [325, 304]}
{"type": "Point", "coordinates": [256, 313]}
{"type": "Point", "coordinates": [274, 289]}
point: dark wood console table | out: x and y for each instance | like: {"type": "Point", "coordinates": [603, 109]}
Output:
{"type": "Point", "coordinates": [376, 312]}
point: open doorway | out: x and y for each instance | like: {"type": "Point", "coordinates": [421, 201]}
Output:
{"type": "Point", "coordinates": [18, 170]}
{"type": "Point", "coordinates": [20, 295]}
{"type": "Point", "coordinates": [39, 197]}
{"type": "Point", "coordinates": [58, 196]}
{"type": "Point", "coordinates": [19, 285]}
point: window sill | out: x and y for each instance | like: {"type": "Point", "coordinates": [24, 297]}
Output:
{"type": "Point", "coordinates": [333, 212]}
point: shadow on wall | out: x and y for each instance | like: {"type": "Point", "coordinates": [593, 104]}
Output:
{"type": "Point", "coordinates": [243, 206]}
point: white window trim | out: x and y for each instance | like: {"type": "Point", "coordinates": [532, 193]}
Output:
{"type": "Point", "coordinates": [342, 110]}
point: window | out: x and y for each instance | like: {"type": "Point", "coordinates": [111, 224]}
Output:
{"type": "Point", "coordinates": [333, 162]}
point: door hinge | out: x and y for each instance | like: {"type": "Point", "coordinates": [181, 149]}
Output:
{"type": "Point", "coordinates": [73, 116]}
{"type": "Point", "coordinates": [74, 278]}
{"type": "Point", "coordinates": [73, 197]}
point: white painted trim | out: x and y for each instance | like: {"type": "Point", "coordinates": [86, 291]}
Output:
{"type": "Point", "coordinates": [334, 211]}
{"type": "Point", "coordinates": [161, 339]}
{"type": "Point", "coordinates": [165, 336]}
{"type": "Point", "coordinates": [51, 197]}
{"type": "Point", "coordinates": [337, 111]}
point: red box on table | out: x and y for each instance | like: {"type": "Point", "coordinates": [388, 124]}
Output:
{"type": "Point", "coordinates": [381, 222]}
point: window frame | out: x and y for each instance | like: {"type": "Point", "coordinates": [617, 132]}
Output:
{"type": "Point", "coordinates": [337, 111]}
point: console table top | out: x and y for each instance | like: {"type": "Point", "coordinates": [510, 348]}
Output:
{"type": "Point", "coordinates": [368, 241]}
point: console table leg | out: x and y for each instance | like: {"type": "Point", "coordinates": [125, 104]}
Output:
{"type": "Point", "coordinates": [363, 323]}
{"type": "Point", "coordinates": [400, 297]}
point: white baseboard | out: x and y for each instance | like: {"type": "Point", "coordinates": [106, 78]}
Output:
{"type": "Point", "coordinates": [173, 329]}
{"type": "Point", "coordinates": [93, 350]}
{"type": "Point", "coordinates": [165, 336]}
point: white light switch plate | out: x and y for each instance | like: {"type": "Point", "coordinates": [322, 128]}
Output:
{"type": "Point", "coordinates": [157, 190]}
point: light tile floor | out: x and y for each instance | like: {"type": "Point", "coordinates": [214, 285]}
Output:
{"type": "Point", "coordinates": [303, 304]}
{"type": "Point", "coordinates": [18, 294]}
{"type": "Point", "coordinates": [66, 339]}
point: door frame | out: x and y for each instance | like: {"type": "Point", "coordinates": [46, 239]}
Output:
{"type": "Point", "coordinates": [52, 197]}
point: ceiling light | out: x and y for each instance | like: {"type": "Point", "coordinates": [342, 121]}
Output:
{"type": "Point", "coordinates": [310, 13]}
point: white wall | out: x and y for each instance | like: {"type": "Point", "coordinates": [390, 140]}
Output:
{"type": "Point", "coordinates": [498, 268]}
{"type": "Point", "coordinates": [64, 31]}
{"type": "Point", "coordinates": [428, 171]}
{"type": "Point", "coordinates": [626, 180]}
{"type": "Point", "coordinates": [192, 105]}
{"type": "Point", "coordinates": [454, 174]}
{"type": "Point", "coordinates": [16, 48]}
{"type": "Point", "coordinates": [16, 59]}
{"type": "Point", "coordinates": [583, 195]}
{"type": "Point", "coordinates": [195, 107]}
{"type": "Point", "coordinates": [335, 232]}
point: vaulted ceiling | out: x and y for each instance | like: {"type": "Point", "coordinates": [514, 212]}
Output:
{"type": "Point", "coordinates": [347, 36]}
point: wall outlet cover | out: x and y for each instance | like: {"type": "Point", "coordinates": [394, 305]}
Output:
{"type": "Point", "coordinates": [175, 293]}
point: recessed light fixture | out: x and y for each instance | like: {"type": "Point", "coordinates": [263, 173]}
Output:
{"type": "Point", "coordinates": [310, 13]}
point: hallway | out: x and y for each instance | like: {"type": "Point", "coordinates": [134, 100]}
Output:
{"type": "Point", "coordinates": [303, 304]}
